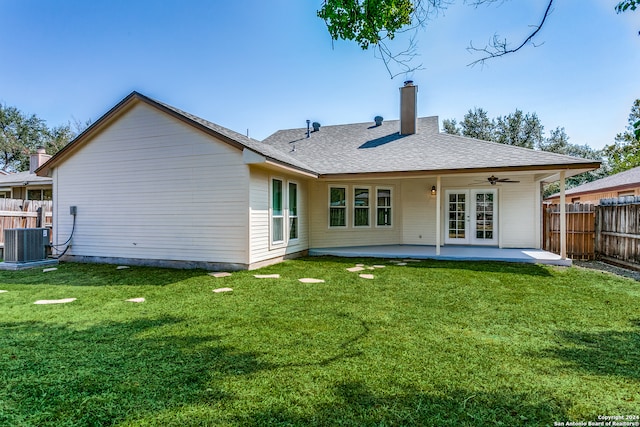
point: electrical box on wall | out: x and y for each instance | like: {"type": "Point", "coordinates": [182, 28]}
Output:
{"type": "Point", "coordinates": [73, 210]}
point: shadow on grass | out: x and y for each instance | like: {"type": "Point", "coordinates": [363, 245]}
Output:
{"type": "Point", "coordinates": [54, 375]}
{"type": "Point", "coordinates": [81, 274]}
{"type": "Point", "coordinates": [476, 266]}
{"type": "Point", "coordinates": [353, 404]}
{"type": "Point", "coordinates": [613, 353]}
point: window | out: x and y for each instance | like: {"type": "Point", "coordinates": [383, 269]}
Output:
{"type": "Point", "coordinates": [337, 207]}
{"type": "Point", "coordinates": [39, 194]}
{"type": "Point", "coordinates": [383, 202]}
{"type": "Point", "coordinates": [361, 207]}
{"type": "Point", "coordinates": [293, 210]}
{"type": "Point", "coordinates": [277, 214]}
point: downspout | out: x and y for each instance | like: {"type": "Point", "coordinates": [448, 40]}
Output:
{"type": "Point", "coordinates": [563, 217]}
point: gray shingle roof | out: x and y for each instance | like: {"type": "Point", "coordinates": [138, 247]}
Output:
{"type": "Point", "coordinates": [19, 178]}
{"type": "Point", "coordinates": [629, 177]}
{"type": "Point", "coordinates": [364, 147]}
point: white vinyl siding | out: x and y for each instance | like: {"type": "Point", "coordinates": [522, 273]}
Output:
{"type": "Point", "coordinates": [152, 187]}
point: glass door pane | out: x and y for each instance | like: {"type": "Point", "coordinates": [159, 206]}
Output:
{"type": "Point", "coordinates": [457, 216]}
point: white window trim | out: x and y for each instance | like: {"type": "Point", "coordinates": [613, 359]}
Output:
{"type": "Point", "coordinates": [369, 206]}
{"type": "Point", "coordinates": [277, 243]}
{"type": "Point", "coordinates": [391, 219]}
{"type": "Point", "coordinates": [346, 207]}
{"type": "Point", "coordinates": [288, 234]}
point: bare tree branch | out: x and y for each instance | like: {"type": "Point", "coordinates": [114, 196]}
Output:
{"type": "Point", "coordinates": [499, 47]}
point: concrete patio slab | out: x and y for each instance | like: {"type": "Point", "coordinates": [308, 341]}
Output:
{"type": "Point", "coordinates": [449, 253]}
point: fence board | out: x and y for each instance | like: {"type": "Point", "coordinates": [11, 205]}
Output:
{"type": "Point", "coordinates": [17, 213]}
{"type": "Point", "coordinates": [580, 234]}
{"type": "Point", "coordinates": [619, 231]}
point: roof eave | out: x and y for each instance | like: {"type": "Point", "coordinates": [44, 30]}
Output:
{"type": "Point", "coordinates": [578, 167]}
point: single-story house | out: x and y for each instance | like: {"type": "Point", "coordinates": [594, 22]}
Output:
{"type": "Point", "coordinates": [622, 184]}
{"type": "Point", "coordinates": [151, 184]}
{"type": "Point", "coordinates": [27, 185]}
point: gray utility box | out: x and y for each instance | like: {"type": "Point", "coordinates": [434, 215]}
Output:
{"type": "Point", "coordinates": [25, 244]}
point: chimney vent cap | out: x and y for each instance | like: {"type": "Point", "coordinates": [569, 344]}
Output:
{"type": "Point", "coordinates": [408, 83]}
{"type": "Point", "coordinates": [316, 126]}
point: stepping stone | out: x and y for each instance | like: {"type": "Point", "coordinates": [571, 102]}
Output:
{"type": "Point", "coordinates": [401, 263]}
{"type": "Point", "coordinates": [359, 265]}
{"type": "Point", "coordinates": [354, 269]}
{"type": "Point", "coordinates": [310, 280]}
{"type": "Point", "coordinates": [411, 260]}
{"type": "Point", "coordinates": [136, 300]}
{"type": "Point", "coordinates": [379, 266]}
{"type": "Point", "coordinates": [219, 290]}
{"type": "Point", "coordinates": [266, 276]}
{"type": "Point", "coordinates": [367, 276]}
{"type": "Point", "coordinates": [122, 267]}
{"type": "Point", "coordinates": [55, 301]}
{"type": "Point", "coordinates": [220, 274]}
{"type": "Point", "coordinates": [2, 292]}
{"type": "Point", "coordinates": [371, 268]}
{"type": "Point", "coordinates": [46, 270]}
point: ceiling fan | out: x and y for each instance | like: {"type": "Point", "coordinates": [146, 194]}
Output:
{"type": "Point", "coordinates": [494, 179]}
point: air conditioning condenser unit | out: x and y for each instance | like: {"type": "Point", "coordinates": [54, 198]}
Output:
{"type": "Point", "coordinates": [25, 244]}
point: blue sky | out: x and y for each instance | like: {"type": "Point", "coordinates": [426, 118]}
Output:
{"type": "Point", "coordinates": [260, 66]}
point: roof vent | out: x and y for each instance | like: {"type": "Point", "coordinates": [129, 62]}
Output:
{"type": "Point", "coordinates": [316, 126]}
{"type": "Point", "coordinates": [378, 120]}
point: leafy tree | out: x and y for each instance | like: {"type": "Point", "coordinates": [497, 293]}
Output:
{"type": "Point", "coordinates": [450, 126]}
{"type": "Point", "coordinates": [21, 135]}
{"type": "Point", "coordinates": [374, 22]}
{"type": "Point", "coordinates": [519, 129]}
{"type": "Point", "coordinates": [624, 153]}
{"type": "Point", "coordinates": [476, 124]}
{"type": "Point", "coordinates": [558, 142]}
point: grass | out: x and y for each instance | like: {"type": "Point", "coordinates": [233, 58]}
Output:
{"type": "Point", "coordinates": [430, 343]}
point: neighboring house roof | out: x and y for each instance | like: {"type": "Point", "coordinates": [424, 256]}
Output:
{"type": "Point", "coordinates": [356, 148]}
{"type": "Point", "coordinates": [628, 178]}
{"type": "Point", "coordinates": [20, 179]}
{"type": "Point", "coordinates": [366, 148]}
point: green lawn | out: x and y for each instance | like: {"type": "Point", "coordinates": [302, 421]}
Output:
{"type": "Point", "coordinates": [429, 343]}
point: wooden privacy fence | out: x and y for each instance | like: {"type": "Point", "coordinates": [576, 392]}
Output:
{"type": "Point", "coordinates": [16, 213]}
{"type": "Point", "coordinates": [580, 230]}
{"type": "Point", "coordinates": [618, 231]}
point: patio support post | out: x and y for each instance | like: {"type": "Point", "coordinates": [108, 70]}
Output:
{"type": "Point", "coordinates": [438, 219]}
{"type": "Point", "coordinates": [563, 218]}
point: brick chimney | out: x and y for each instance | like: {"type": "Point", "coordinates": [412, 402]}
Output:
{"type": "Point", "coordinates": [37, 159]}
{"type": "Point", "coordinates": [408, 108]}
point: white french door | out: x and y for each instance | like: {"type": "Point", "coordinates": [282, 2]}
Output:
{"type": "Point", "coordinates": [471, 217]}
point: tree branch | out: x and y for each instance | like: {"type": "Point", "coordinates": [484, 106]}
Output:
{"type": "Point", "coordinates": [500, 47]}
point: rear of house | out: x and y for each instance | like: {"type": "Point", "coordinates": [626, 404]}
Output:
{"type": "Point", "coordinates": [154, 185]}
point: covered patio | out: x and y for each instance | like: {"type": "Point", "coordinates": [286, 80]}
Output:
{"type": "Point", "coordinates": [449, 252]}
